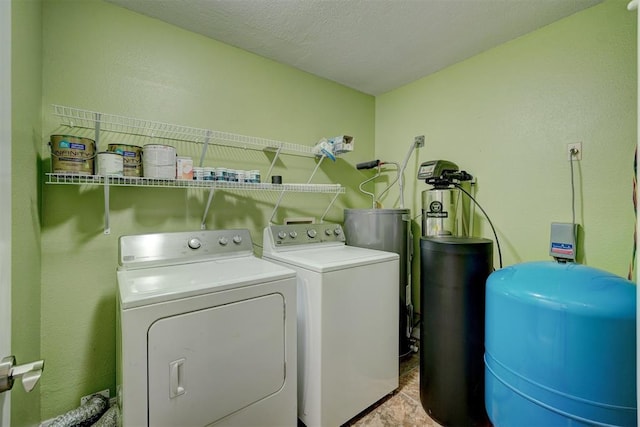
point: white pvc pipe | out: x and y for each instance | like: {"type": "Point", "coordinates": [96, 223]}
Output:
{"type": "Point", "coordinates": [362, 190]}
{"type": "Point", "coordinates": [633, 5]}
{"type": "Point", "coordinates": [401, 173]}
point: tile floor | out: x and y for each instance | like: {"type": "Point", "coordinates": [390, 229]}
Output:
{"type": "Point", "coordinates": [403, 407]}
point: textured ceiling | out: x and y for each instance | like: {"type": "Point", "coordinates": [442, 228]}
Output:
{"type": "Point", "coordinates": [369, 45]}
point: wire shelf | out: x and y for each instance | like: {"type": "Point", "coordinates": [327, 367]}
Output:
{"type": "Point", "coordinates": [101, 122]}
{"type": "Point", "coordinates": [130, 181]}
{"type": "Point", "coordinates": [78, 118]}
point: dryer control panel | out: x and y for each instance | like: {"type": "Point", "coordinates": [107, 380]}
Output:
{"type": "Point", "coordinates": [298, 234]}
{"type": "Point", "coordinates": [147, 250]}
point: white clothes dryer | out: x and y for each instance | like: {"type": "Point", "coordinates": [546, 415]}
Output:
{"type": "Point", "coordinates": [347, 320]}
{"type": "Point", "coordinates": [206, 332]}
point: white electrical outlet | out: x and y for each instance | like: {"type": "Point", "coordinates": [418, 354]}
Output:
{"type": "Point", "coordinates": [574, 151]}
{"type": "Point", "coordinates": [85, 399]}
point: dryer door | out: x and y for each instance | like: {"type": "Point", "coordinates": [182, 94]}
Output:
{"type": "Point", "coordinates": [210, 363]}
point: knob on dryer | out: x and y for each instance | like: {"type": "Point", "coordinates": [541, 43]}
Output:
{"type": "Point", "coordinates": [194, 243]}
{"type": "Point", "coordinates": [312, 233]}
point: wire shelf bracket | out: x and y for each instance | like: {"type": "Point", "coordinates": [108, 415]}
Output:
{"type": "Point", "coordinates": [329, 207]}
{"type": "Point", "coordinates": [203, 224]}
{"type": "Point", "coordinates": [275, 208]}
{"type": "Point", "coordinates": [107, 224]}
{"type": "Point", "coordinates": [273, 163]}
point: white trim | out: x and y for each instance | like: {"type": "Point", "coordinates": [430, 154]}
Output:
{"type": "Point", "coordinates": [5, 196]}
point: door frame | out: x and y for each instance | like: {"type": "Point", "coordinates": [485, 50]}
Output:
{"type": "Point", "coordinates": [5, 196]}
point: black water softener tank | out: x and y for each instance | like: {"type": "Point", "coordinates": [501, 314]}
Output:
{"type": "Point", "coordinates": [453, 273]}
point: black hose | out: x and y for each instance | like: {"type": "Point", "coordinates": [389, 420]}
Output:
{"type": "Point", "coordinates": [368, 165]}
{"type": "Point", "coordinates": [486, 216]}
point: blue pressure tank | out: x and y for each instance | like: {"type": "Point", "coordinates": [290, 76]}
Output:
{"type": "Point", "coordinates": [560, 346]}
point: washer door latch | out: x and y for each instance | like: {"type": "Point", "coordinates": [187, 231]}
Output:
{"type": "Point", "coordinates": [29, 373]}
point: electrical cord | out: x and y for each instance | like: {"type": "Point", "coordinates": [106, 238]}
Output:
{"type": "Point", "coordinates": [573, 212]}
{"type": "Point", "coordinates": [634, 200]}
{"type": "Point", "coordinates": [486, 216]}
{"type": "Point", "coordinates": [410, 351]}
{"type": "Point", "coordinates": [392, 182]}
{"type": "Point", "coordinates": [415, 144]}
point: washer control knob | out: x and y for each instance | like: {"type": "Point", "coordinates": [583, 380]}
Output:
{"type": "Point", "coordinates": [223, 241]}
{"type": "Point", "coordinates": [338, 231]}
{"type": "Point", "coordinates": [194, 243]}
{"type": "Point", "coordinates": [293, 234]}
{"type": "Point", "coordinates": [312, 233]}
{"type": "Point", "coordinates": [282, 234]}
{"type": "Point", "coordinates": [327, 232]}
{"type": "Point", "coordinates": [237, 239]}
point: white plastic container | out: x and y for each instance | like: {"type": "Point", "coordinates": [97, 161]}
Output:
{"type": "Point", "coordinates": [209, 174]}
{"type": "Point", "coordinates": [159, 161]}
{"type": "Point", "coordinates": [254, 176]}
{"type": "Point", "coordinates": [222, 174]}
{"type": "Point", "coordinates": [110, 164]}
{"type": "Point", "coordinates": [198, 173]}
{"type": "Point", "coordinates": [184, 168]}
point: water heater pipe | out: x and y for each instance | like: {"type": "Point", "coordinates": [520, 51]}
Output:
{"type": "Point", "coordinates": [373, 196]}
{"type": "Point", "coordinates": [378, 165]}
{"type": "Point", "coordinates": [417, 142]}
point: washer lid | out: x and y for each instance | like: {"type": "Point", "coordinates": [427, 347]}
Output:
{"type": "Point", "coordinates": [146, 286]}
{"type": "Point", "coordinates": [332, 258]}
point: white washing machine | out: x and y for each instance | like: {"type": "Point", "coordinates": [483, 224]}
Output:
{"type": "Point", "coordinates": [347, 320]}
{"type": "Point", "coordinates": [206, 332]}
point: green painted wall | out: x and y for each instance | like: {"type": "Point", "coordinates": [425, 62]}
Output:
{"type": "Point", "coordinates": [26, 98]}
{"type": "Point", "coordinates": [104, 58]}
{"type": "Point", "coordinates": [506, 117]}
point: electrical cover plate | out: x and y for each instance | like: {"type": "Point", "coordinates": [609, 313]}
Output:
{"type": "Point", "coordinates": [577, 146]}
{"type": "Point", "coordinates": [563, 243]}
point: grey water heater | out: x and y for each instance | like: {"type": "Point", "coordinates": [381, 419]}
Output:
{"type": "Point", "coordinates": [386, 230]}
